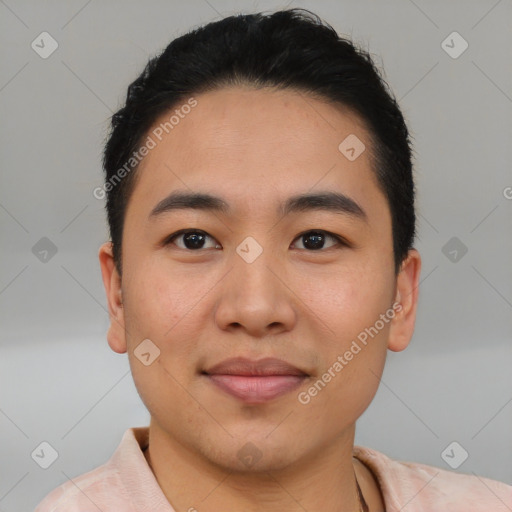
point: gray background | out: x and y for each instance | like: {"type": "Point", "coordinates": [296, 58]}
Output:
{"type": "Point", "coordinates": [59, 381]}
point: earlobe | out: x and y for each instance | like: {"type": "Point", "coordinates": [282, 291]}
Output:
{"type": "Point", "coordinates": [406, 301]}
{"type": "Point", "coordinates": [116, 335]}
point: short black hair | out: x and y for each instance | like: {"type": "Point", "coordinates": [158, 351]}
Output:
{"type": "Point", "coordinates": [289, 49]}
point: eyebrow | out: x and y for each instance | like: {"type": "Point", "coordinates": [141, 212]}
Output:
{"type": "Point", "coordinates": [335, 202]}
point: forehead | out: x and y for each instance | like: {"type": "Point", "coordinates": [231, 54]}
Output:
{"type": "Point", "coordinates": [255, 147]}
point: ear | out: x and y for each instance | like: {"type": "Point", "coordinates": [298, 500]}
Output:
{"type": "Point", "coordinates": [406, 301]}
{"type": "Point", "coordinates": [112, 282]}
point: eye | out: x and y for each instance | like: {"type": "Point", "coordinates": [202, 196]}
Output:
{"type": "Point", "coordinates": [315, 240]}
{"type": "Point", "coordinates": [192, 239]}
{"type": "Point", "coordinates": [195, 240]}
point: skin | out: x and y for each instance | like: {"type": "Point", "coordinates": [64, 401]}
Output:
{"type": "Point", "coordinates": [255, 148]}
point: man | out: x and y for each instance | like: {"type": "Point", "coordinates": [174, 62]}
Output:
{"type": "Point", "coordinates": [261, 208]}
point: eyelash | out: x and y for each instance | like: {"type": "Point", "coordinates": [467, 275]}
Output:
{"type": "Point", "coordinates": [341, 242]}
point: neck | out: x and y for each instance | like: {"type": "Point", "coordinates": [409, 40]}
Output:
{"type": "Point", "coordinates": [324, 480]}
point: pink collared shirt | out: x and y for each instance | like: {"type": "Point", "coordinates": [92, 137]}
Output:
{"type": "Point", "coordinates": [126, 484]}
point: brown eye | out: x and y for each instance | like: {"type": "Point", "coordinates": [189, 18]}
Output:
{"type": "Point", "coordinates": [315, 240]}
{"type": "Point", "coordinates": [195, 240]}
{"type": "Point", "coordinates": [191, 239]}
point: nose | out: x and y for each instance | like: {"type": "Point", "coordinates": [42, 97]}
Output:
{"type": "Point", "coordinates": [255, 298]}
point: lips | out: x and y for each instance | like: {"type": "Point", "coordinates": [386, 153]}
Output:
{"type": "Point", "coordinates": [255, 381]}
{"type": "Point", "coordinates": [243, 366]}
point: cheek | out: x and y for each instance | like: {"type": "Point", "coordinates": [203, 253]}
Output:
{"type": "Point", "coordinates": [349, 304]}
{"type": "Point", "coordinates": [349, 298]}
{"type": "Point", "coordinates": [158, 299]}
{"type": "Point", "coordinates": [160, 307]}
{"type": "Point", "coordinates": [171, 307]}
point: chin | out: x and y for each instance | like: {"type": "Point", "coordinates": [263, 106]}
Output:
{"type": "Point", "coordinates": [251, 454]}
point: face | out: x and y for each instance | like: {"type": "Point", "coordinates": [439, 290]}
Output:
{"type": "Point", "coordinates": [264, 277]}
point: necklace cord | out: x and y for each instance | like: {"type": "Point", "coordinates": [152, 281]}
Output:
{"type": "Point", "coordinates": [363, 506]}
